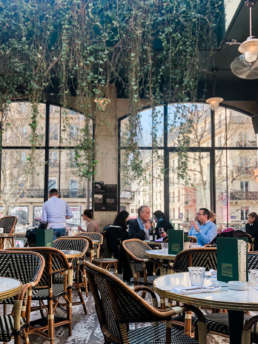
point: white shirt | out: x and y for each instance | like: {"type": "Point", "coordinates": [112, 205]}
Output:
{"type": "Point", "coordinates": [54, 211]}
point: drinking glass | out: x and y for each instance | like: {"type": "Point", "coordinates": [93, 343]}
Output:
{"type": "Point", "coordinates": [196, 275]}
{"type": "Point", "coordinates": [164, 246]}
{"type": "Point", "coordinates": [253, 277]}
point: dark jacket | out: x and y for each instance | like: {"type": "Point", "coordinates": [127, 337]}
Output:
{"type": "Point", "coordinates": [135, 231]}
{"type": "Point", "coordinates": [162, 223]}
{"type": "Point", "coordinates": [252, 229]}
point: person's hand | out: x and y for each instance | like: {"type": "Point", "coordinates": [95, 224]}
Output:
{"type": "Point", "coordinates": [80, 229]}
{"type": "Point", "coordinates": [163, 235]}
{"type": "Point", "coordinates": [195, 226]}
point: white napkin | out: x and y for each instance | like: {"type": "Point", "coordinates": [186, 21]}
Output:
{"type": "Point", "coordinates": [195, 290]}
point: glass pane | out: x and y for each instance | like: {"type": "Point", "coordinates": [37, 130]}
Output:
{"type": "Point", "coordinates": [147, 189]}
{"type": "Point", "coordinates": [189, 125]}
{"type": "Point", "coordinates": [234, 129]}
{"type": "Point", "coordinates": [63, 174]}
{"type": "Point", "coordinates": [236, 186]}
{"type": "Point", "coordinates": [17, 130]}
{"type": "Point", "coordinates": [192, 192]}
{"type": "Point", "coordinates": [150, 129]}
{"type": "Point", "coordinates": [22, 214]}
{"type": "Point", "coordinates": [69, 123]}
{"type": "Point", "coordinates": [22, 183]}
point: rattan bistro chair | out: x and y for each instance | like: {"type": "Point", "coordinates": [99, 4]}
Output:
{"type": "Point", "coordinates": [8, 224]}
{"type": "Point", "coordinates": [27, 267]}
{"type": "Point", "coordinates": [97, 241]}
{"type": "Point", "coordinates": [118, 306]}
{"type": "Point", "coordinates": [55, 284]}
{"type": "Point", "coordinates": [205, 257]}
{"type": "Point", "coordinates": [79, 272]}
{"type": "Point", "coordinates": [218, 322]}
{"type": "Point", "coordinates": [137, 257]}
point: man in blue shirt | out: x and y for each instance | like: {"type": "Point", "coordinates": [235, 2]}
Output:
{"type": "Point", "coordinates": [204, 230]}
{"type": "Point", "coordinates": [55, 211]}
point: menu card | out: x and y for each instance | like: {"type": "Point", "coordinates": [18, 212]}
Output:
{"type": "Point", "coordinates": [175, 241]}
{"type": "Point", "coordinates": [232, 259]}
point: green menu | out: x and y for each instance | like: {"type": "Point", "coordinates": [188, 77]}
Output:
{"type": "Point", "coordinates": [232, 259]}
{"type": "Point", "coordinates": [175, 241]}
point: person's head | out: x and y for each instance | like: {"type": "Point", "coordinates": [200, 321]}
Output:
{"type": "Point", "coordinates": [144, 213]}
{"type": "Point", "coordinates": [87, 214]}
{"type": "Point", "coordinates": [159, 215]}
{"type": "Point", "coordinates": [121, 219]}
{"type": "Point", "coordinates": [203, 215]}
{"type": "Point", "coordinates": [252, 217]}
{"type": "Point", "coordinates": [53, 192]}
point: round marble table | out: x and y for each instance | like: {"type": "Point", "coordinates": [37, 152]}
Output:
{"type": "Point", "coordinates": [161, 254]}
{"type": "Point", "coordinates": [9, 287]}
{"type": "Point", "coordinates": [235, 301]}
{"type": "Point", "coordinates": [71, 254]}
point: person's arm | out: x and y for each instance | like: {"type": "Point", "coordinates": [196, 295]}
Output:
{"type": "Point", "coordinates": [44, 213]}
{"type": "Point", "coordinates": [209, 235]}
{"type": "Point", "coordinates": [69, 214]}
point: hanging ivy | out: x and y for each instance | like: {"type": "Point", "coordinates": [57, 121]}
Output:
{"type": "Point", "coordinates": [148, 48]}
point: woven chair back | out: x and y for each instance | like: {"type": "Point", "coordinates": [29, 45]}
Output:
{"type": "Point", "coordinates": [23, 266]}
{"type": "Point", "coordinates": [115, 302]}
{"type": "Point", "coordinates": [205, 257]}
{"type": "Point", "coordinates": [252, 260]}
{"type": "Point", "coordinates": [70, 243]}
{"type": "Point", "coordinates": [55, 264]}
{"type": "Point", "coordinates": [93, 236]}
{"type": "Point", "coordinates": [75, 244]}
{"type": "Point", "coordinates": [136, 249]}
{"type": "Point", "coordinates": [8, 223]}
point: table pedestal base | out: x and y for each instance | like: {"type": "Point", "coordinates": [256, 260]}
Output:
{"type": "Point", "coordinates": [236, 321]}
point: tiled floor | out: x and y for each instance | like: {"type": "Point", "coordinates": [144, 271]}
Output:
{"type": "Point", "coordinates": [86, 329]}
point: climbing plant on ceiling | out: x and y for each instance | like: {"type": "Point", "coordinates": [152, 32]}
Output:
{"type": "Point", "coordinates": [148, 48]}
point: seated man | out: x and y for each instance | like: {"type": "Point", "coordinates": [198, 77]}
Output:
{"type": "Point", "coordinates": [140, 228]}
{"type": "Point", "coordinates": [204, 230]}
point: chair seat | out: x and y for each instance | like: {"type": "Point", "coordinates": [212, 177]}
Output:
{"type": "Point", "coordinates": [218, 322]}
{"type": "Point", "coordinates": [42, 294]}
{"type": "Point", "coordinates": [156, 334]}
{"type": "Point", "coordinates": [7, 327]}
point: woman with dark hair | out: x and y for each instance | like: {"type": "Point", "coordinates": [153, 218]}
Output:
{"type": "Point", "coordinates": [252, 228]}
{"type": "Point", "coordinates": [91, 224]}
{"type": "Point", "coordinates": [163, 224]}
{"type": "Point", "coordinates": [121, 219]}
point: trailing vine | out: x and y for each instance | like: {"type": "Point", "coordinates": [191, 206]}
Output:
{"type": "Point", "coordinates": [148, 48]}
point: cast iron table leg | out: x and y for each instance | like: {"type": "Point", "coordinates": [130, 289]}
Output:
{"type": "Point", "coordinates": [236, 321]}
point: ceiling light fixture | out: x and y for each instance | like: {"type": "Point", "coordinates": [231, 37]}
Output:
{"type": "Point", "coordinates": [214, 102]}
{"type": "Point", "coordinates": [250, 46]}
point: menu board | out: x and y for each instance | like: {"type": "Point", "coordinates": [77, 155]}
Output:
{"type": "Point", "coordinates": [105, 197]}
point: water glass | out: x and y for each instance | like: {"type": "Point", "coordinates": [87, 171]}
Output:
{"type": "Point", "coordinates": [164, 246]}
{"type": "Point", "coordinates": [196, 275]}
{"type": "Point", "coordinates": [253, 277]}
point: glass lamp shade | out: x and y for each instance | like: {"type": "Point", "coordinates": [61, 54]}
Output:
{"type": "Point", "coordinates": [214, 102]}
{"type": "Point", "coordinates": [250, 49]}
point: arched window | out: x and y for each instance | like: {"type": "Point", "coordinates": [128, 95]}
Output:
{"type": "Point", "coordinates": [27, 176]}
{"type": "Point", "coordinates": [198, 159]}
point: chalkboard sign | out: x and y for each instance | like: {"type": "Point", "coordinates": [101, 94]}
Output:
{"type": "Point", "coordinates": [105, 197]}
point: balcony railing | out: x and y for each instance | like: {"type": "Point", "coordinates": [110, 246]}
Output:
{"type": "Point", "coordinates": [243, 195]}
{"type": "Point", "coordinates": [65, 193]}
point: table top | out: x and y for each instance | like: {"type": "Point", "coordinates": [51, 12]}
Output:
{"type": "Point", "coordinates": [9, 287]}
{"type": "Point", "coordinates": [161, 254]}
{"type": "Point", "coordinates": [221, 297]}
{"type": "Point", "coordinates": [71, 253]}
